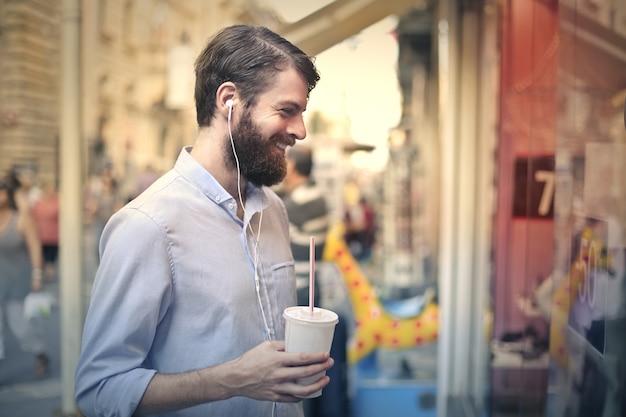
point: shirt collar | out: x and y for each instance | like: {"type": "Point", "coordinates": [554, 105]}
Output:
{"type": "Point", "coordinates": [202, 179]}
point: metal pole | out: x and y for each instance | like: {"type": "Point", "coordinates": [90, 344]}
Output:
{"type": "Point", "coordinates": [71, 247]}
{"type": "Point", "coordinates": [448, 250]}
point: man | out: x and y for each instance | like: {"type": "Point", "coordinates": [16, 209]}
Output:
{"type": "Point", "coordinates": [186, 312]}
{"type": "Point", "coordinates": [308, 216]}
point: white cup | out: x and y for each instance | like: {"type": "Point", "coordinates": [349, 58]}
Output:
{"type": "Point", "coordinates": [307, 331]}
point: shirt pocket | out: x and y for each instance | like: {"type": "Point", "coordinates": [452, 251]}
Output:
{"type": "Point", "coordinates": [282, 291]}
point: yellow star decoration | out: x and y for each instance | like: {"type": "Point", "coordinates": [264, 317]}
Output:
{"type": "Point", "coordinates": [375, 327]}
{"type": "Point", "coordinates": [564, 294]}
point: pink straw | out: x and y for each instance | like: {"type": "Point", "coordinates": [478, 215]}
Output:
{"type": "Point", "coordinates": [312, 274]}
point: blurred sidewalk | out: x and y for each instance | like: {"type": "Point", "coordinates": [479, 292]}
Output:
{"type": "Point", "coordinates": [31, 399]}
{"type": "Point", "coordinates": [22, 394]}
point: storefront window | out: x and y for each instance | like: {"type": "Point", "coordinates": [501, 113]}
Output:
{"type": "Point", "coordinates": [588, 298]}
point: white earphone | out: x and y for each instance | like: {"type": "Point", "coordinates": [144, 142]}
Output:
{"type": "Point", "coordinates": [229, 103]}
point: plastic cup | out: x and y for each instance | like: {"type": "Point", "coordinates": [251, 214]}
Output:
{"type": "Point", "coordinates": [307, 331]}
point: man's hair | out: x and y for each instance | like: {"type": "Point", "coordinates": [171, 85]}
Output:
{"type": "Point", "coordinates": [250, 57]}
{"type": "Point", "coordinates": [302, 156]}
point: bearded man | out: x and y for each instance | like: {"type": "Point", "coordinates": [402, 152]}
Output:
{"type": "Point", "coordinates": [185, 317]}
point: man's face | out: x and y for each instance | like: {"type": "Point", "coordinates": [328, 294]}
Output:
{"type": "Point", "coordinates": [258, 160]}
{"type": "Point", "coordinates": [267, 129]}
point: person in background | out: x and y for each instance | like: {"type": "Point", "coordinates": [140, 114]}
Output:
{"type": "Point", "coordinates": [102, 200]}
{"type": "Point", "coordinates": [46, 215]}
{"type": "Point", "coordinates": [145, 179]}
{"type": "Point", "coordinates": [186, 313]}
{"type": "Point", "coordinates": [27, 192]}
{"type": "Point", "coordinates": [360, 228]}
{"type": "Point", "coordinates": [20, 273]}
{"type": "Point", "coordinates": [308, 217]}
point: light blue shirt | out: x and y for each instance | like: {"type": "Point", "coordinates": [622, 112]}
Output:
{"type": "Point", "coordinates": [175, 291]}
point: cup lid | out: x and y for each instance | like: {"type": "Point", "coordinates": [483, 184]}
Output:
{"type": "Point", "coordinates": [302, 314]}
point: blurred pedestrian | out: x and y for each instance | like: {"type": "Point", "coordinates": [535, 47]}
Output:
{"type": "Point", "coordinates": [308, 217]}
{"type": "Point", "coordinates": [145, 179]}
{"type": "Point", "coordinates": [101, 201]}
{"type": "Point", "coordinates": [23, 180]}
{"type": "Point", "coordinates": [360, 228]}
{"type": "Point", "coordinates": [46, 215]}
{"type": "Point", "coordinates": [21, 273]}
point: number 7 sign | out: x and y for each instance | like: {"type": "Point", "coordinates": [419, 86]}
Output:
{"type": "Point", "coordinates": [533, 189]}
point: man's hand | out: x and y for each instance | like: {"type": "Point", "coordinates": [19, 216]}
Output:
{"type": "Point", "coordinates": [268, 373]}
{"type": "Point", "coordinates": [265, 372]}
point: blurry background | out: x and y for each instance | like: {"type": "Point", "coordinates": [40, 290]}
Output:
{"type": "Point", "coordinates": [484, 133]}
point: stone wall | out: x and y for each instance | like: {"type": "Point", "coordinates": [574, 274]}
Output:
{"type": "Point", "coordinates": [29, 87]}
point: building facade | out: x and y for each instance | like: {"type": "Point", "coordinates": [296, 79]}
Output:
{"type": "Point", "coordinates": [136, 79]}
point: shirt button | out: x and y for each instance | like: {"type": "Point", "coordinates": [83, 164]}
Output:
{"type": "Point", "coordinates": [231, 206]}
{"type": "Point", "coordinates": [218, 198]}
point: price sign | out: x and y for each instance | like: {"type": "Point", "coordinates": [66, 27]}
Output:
{"type": "Point", "coordinates": [587, 289]}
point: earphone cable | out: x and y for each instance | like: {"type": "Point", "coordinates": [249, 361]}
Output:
{"type": "Point", "coordinates": [258, 235]}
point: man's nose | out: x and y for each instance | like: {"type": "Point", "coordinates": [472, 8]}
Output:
{"type": "Point", "coordinates": [296, 128]}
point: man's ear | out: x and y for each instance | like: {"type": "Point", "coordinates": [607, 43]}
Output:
{"type": "Point", "coordinates": [226, 97]}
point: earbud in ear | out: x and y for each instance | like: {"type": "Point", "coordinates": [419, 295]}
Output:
{"type": "Point", "coordinates": [230, 103]}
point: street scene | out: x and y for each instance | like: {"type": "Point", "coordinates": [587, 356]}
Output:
{"type": "Point", "coordinates": [189, 187]}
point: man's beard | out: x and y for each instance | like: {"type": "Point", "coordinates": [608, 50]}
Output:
{"type": "Point", "coordinates": [257, 161]}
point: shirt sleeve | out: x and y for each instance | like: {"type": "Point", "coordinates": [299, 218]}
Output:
{"type": "Point", "coordinates": [131, 294]}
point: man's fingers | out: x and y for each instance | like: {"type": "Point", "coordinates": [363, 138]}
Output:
{"type": "Point", "coordinates": [304, 358]}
